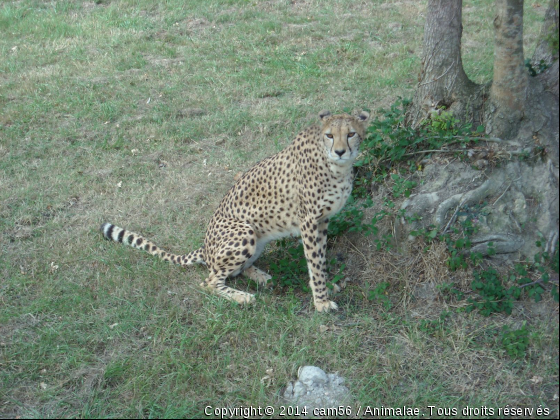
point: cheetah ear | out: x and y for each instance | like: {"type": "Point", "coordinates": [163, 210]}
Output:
{"type": "Point", "coordinates": [363, 116]}
{"type": "Point", "coordinates": [324, 114]}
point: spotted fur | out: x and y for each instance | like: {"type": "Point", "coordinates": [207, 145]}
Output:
{"type": "Point", "coordinates": [294, 192]}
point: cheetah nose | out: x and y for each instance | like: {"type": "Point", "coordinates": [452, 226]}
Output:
{"type": "Point", "coordinates": [340, 152]}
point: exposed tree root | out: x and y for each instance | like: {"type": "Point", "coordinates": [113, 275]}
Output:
{"type": "Point", "coordinates": [488, 188]}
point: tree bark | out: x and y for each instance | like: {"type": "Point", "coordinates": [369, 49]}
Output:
{"type": "Point", "coordinates": [442, 80]}
{"type": "Point", "coordinates": [547, 49]}
{"type": "Point", "coordinates": [508, 94]}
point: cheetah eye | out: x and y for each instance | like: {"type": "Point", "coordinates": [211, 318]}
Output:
{"type": "Point", "coordinates": [330, 136]}
{"type": "Point", "coordinates": [351, 135]}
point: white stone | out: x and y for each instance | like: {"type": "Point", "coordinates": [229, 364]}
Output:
{"type": "Point", "coordinates": [313, 375]}
{"type": "Point", "coordinates": [314, 388]}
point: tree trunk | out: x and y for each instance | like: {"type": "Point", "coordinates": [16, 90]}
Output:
{"type": "Point", "coordinates": [546, 53]}
{"type": "Point", "coordinates": [442, 80]}
{"type": "Point", "coordinates": [547, 48]}
{"type": "Point", "coordinates": [508, 93]}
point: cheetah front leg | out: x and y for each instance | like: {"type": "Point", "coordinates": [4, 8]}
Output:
{"type": "Point", "coordinates": [314, 236]}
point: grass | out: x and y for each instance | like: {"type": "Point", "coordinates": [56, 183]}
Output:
{"type": "Point", "coordinates": [141, 113]}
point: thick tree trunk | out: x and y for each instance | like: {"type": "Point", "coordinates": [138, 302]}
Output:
{"type": "Point", "coordinates": [508, 94]}
{"type": "Point", "coordinates": [442, 81]}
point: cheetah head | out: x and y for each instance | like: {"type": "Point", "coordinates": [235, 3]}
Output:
{"type": "Point", "coordinates": [342, 135]}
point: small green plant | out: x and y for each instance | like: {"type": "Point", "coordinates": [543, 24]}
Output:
{"type": "Point", "coordinates": [450, 291]}
{"type": "Point", "coordinates": [515, 342]}
{"type": "Point", "coordinates": [379, 294]}
{"type": "Point", "coordinates": [401, 186]}
{"type": "Point", "coordinates": [493, 296]}
{"type": "Point", "coordinates": [521, 275]}
{"type": "Point", "coordinates": [525, 273]}
{"type": "Point", "coordinates": [429, 234]}
{"type": "Point", "coordinates": [384, 242]}
{"type": "Point", "coordinates": [435, 327]}
{"type": "Point", "coordinates": [351, 218]}
{"type": "Point", "coordinates": [443, 121]}
{"type": "Point", "coordinates": [457, 258]}
{"type": "Point", "coordinates": [541, 66]}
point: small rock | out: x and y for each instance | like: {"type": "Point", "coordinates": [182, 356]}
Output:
{"type": "Point", "coordinates": [311, 374]}
{"type": "Point", "coordinates": [314, 388]}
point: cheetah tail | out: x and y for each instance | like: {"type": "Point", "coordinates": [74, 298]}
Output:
{"type": "Point", "coordinates": [117, 234]}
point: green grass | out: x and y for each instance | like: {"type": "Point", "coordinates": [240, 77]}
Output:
{"type": "Point", "coordinates": [141, 113]}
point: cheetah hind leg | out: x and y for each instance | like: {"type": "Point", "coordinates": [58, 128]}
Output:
{"type": "Point", "coordinates": [259, 276]}
{"type": "Point", "coordinates": [217, 286]}
{"type": "Point", "coordinates": [227, 256]}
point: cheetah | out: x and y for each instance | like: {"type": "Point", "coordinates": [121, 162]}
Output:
{"type": "Point", "coordinates": [294, 192]}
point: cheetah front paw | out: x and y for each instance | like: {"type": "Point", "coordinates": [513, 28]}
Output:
{"type": "Point", "coordinates": [325, 306]}
{"type": "Point", "coordinates": [243, 298]}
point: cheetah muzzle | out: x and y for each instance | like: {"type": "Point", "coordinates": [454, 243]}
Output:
{"type": "Point", "coordinates": [294, 192]}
